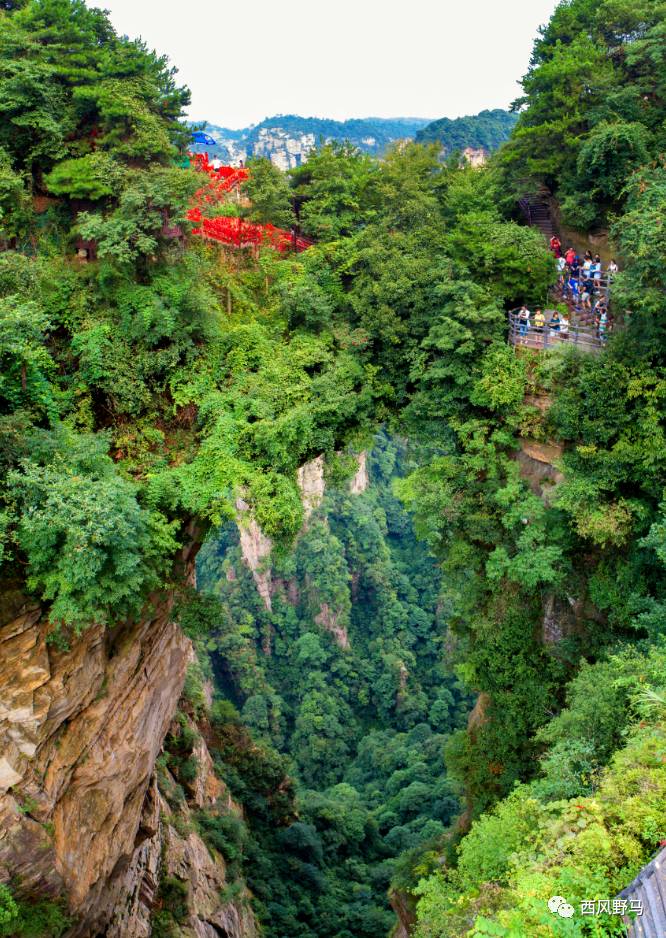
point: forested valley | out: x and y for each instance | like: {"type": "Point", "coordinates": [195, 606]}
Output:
{"type": "Point", "coordinates": [326, 612]}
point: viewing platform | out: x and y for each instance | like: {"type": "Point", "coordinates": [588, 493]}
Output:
{"type": "Point", "coordinates": [543, 338]}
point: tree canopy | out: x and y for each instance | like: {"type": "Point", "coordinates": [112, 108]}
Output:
{"type": "Point", "coordinates": [151, 382]}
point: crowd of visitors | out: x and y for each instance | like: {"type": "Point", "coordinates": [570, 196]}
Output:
{"type": "Point", "coordinates": [584, 285]}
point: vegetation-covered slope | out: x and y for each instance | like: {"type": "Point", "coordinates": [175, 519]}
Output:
{"type": "Point", "coordinates": [344, 678]}
{"type": "Point", "coordinates": [593, 106]}
{"type": "Point", "coordinates": [487, 131]}
{"type": "Point", "coordinates": [147, 387]}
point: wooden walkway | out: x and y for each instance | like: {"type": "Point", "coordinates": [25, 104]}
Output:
{"type": "Point", "coordinates": [649, 888]}
{"type": "Point", "coordinates": [541, 339]}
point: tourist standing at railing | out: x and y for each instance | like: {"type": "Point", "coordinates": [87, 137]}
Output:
{"type": "Point", "coordinates": [612, 270]}
{"type": "Point", "coordinates": [587, 288]}
{"type": "Point", "coordinates": [539, 321]}
{"type": "Point", "coordinates": [570, 256]}
{"type": "Point", "coordinates": [599, 311]}
{"type": "Point", "coordinates": [564, 327]}
{"type": "Point", "coordinates": [556, 246]}
{"type": "Point", "coordinates": [602, 326]}
{"type": "Point", "coordinates": [523, 321]}
{"type": "Point", "coordinates": [572, 287]}
{"type": "Point", "coordinates": [555, 321]}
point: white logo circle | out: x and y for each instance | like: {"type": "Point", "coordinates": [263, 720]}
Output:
{"type": "Point", "coordinates": [565, 910]}
{"type": "Point", "coordinates": [555, 902]}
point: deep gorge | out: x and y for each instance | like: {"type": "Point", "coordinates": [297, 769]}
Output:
{"type": "Point", "coordinates": [325, 611]}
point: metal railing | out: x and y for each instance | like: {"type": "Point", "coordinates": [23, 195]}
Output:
{"type": "Point", "coordinates": [530, 335]}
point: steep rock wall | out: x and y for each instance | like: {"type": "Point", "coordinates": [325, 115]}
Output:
{"type": "Point", "coordinates": [173, 849]}
{"type": "Point", "coordinates": [538, 463]}
{"type": "Point", "coordinates": [361, 480]}
{"type": "Point", "coordinates": [331, 620]}
{"type": "Point", "coordinates": [256, 547]}
{"type": "Point", "coordinates": [80, 732]}
{"type": "Point", "coordinates": [404, 907]}
{"type": "Point", "coordinates": [310, 480]}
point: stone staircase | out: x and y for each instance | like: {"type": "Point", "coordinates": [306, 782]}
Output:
{"type": "Point", "coordinates": [536, 210]}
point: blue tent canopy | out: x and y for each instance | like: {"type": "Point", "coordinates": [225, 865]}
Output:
{"type": "Point", "coordinates": [200, 137]}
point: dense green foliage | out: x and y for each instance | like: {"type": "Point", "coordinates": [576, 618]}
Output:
{"type": "Point", "coordinates": [585, 825]}
{"type": "Point", "coordinates": [146, 391]}
{"type": "Point", "coordinates": [593, 107]}
{"type": "Point", "coordinates": [578, 831]}
{"type": "Point", "coordinates": [35, 919]}
{"type": "Point", "coordinates": [487, 130]}
{"type": "Point", "coordinates": [269, 193]}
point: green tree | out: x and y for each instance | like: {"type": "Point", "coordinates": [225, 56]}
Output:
{"type": "Point", "coordinates": [92, 550]}
{"type": "Point", "coordinates": [26, 366]}
{"type": "Point", "coordinates": [269, 193]}
{"type": "Point", "coordinates": [87, 177]}
{"type": "Point", "coordinates": [330, 191]}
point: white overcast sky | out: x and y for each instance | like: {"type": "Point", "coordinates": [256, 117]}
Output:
{"type": "Point", "coordinates": [244, 61]}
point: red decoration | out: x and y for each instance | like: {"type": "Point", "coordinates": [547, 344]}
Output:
{"type": "Point", "coordinates": [243, 234]}
{"type": "Point", "coordinates": [229, 230]}
{"type": "Point", "coordinates": [223, 179]}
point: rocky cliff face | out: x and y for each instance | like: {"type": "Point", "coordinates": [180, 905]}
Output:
{"type": "Point", "coordinates": [173, 852]}
{"type": "Point", "coordinates": [403, 906]}
{"type": "Point", "coordinates": [288, 140]}
{"type": "Point", "coordinates": [256, 550]}
{"type": "Point", "coordinates": [286, 150]}
{"type": "Point", "coordinates": [80, 732]}
{"type": "Point", "coordinates": [476, 156]}
{"type": "Point", "coordinates": [256, 547]}
{"type": "Point", "coordinates": [311, 484]}
{"type": "Point", "coordinates": [331, 620]}
{"type": "Point", "coordinates": [361, 479]}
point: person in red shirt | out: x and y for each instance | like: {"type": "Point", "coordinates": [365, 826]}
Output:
{"type": "Point", "coordinates": [556, 246]}
{"type": "Point", "coordinates": [570, 256]}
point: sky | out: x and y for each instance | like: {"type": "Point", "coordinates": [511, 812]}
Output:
{"type": "Point", "coordinates": [339, 58]}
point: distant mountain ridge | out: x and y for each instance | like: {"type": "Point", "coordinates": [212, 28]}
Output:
{"type": "Point", "coordinates": [485, 131]}
{"type": "Point", "coordinates": [287, 139]}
